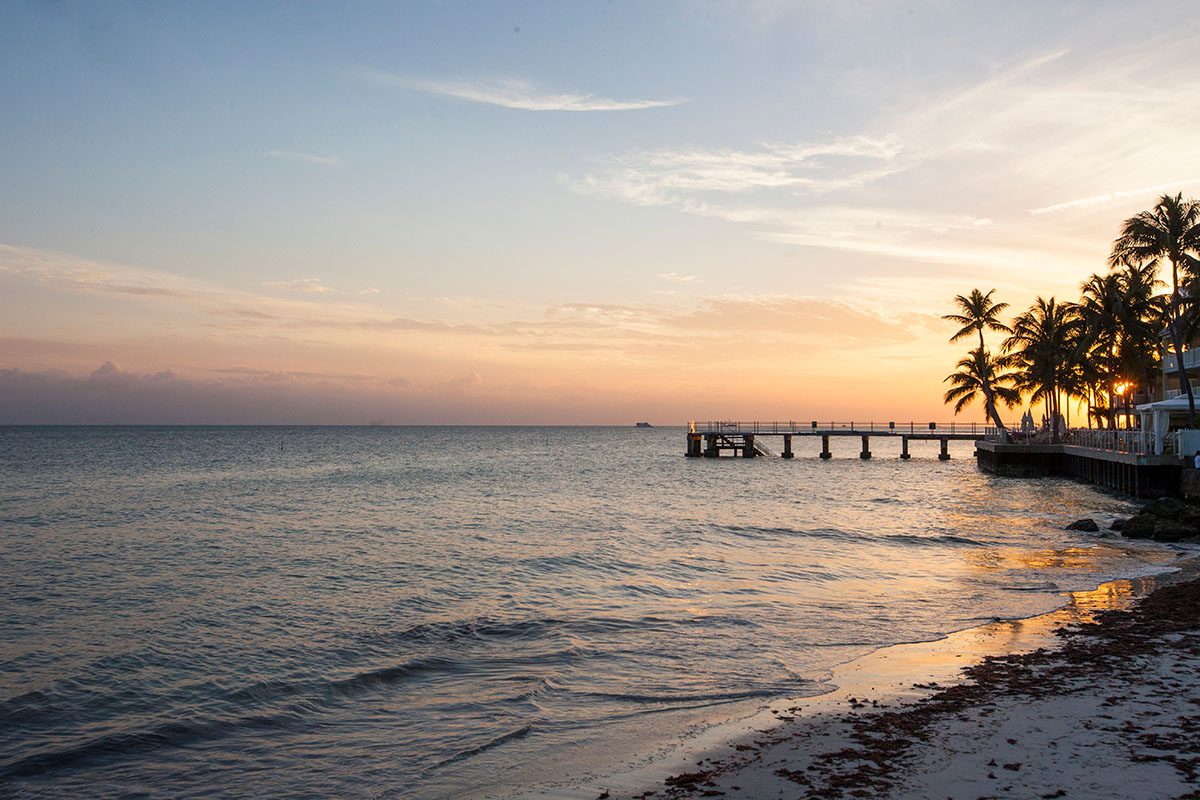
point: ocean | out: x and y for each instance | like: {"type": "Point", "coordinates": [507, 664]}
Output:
{"type": "Point", "coordinates": [396, 612]}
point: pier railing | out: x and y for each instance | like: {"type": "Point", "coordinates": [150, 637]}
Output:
{"type": "Point", "coordinates": [1116, 441]}
{"type": "Point", "coordinates": [816, 426]}
{"type": "Point", "coordinates": [1129, 441]}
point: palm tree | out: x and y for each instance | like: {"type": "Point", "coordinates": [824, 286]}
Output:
{"type": "Point", "coordinates": [1142, 321]}
{"type": "Point", "coordinates": [980, 313]}
{"type": "Point", "coordinates": [1045, 347]}
{"type": "Point", "coordinates": [977, 376]}
{"type": "Point", "coordinates": [1171, 231]}
{"type": "Point", "coordinates": [1101, 311]}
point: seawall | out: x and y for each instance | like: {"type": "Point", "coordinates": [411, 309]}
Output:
{"type": "Point", "coordinates": [1139, 475]}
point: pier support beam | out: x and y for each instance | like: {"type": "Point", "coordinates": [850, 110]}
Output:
{"type": "Point", "coordinates": [945, 454]}
{"type": "Point", "coordinates": [787, 446]}
{"type": "Point", "coordinates": [904, 448]}
{"type": "Point", "coordinates": [711, 451]}
{"type": "Point", "coordinates": [866, 451]}
{"type": "Point", "coordinates": [695, 446]}
{"type": "Point", "coordinates": [748, 450]}
{"type": "Point", "coordinates": [825, 446]}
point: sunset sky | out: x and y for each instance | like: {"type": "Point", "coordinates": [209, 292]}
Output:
{"type": "Point", "coordinates": [559, 212]}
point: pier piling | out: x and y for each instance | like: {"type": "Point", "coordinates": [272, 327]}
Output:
{"type": "Point", "coordinates": [904, 448]}
{"type": "Point", "coordinates": [945, 454]}
{"type": "Point", "coordinates": [825, 447]}
{"type": "Point", "coordinates": [866, 451]}
{"type": "Point", "coordinates": [787, 446]}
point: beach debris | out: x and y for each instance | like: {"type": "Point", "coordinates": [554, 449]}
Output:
{"type": "Point", "coordinates": [1087, 524]}
{"type": "Point", "coordinates": [693, 781]}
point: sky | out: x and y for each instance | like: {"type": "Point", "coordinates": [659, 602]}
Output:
{"type": "Point", "coordinates": [557, 212]}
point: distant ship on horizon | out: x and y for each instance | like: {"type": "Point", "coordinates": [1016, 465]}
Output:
{"type": "Point", "coordinates": [643, 425]}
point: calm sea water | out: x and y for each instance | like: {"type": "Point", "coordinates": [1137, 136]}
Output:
{"type": "Point", "coordinates": [444, 612]}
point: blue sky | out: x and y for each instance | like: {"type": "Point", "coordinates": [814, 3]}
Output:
{"type": "Point", "coordinates": [564, 212]}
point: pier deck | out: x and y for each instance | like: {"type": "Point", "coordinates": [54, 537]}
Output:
{"type": "Point", "coordinates": [711, 439]}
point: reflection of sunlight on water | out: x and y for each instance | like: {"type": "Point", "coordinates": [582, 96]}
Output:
{"type": "Point", "coordinates": [1072, 558]}
{"type": "Point", "coordinates": [1083, 559]}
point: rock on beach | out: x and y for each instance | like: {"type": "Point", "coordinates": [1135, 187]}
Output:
{"type": "Point", "coordinates": [1165, 520]}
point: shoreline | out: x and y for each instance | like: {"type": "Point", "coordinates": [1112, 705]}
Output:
{"type": "Point", "coordinates": [815, 745]}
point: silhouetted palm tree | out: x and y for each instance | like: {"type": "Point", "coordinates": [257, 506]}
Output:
{"type": "Point", "coordinates": [1143, 319]}
{"type": "Point", "coordinates": [1101, 311]}
{"type": "Point", "coordinates": [1044, 348]}
{"type": "Point", "coordinates": [980, 313]}
{"type": "Point", "coordinates": [977, 376]}
{"type": "Point", "coordinates": [1171, 231]}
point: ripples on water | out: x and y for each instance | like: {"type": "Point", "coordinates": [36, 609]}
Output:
{"type": "Point", "coordinates": [395, 612]}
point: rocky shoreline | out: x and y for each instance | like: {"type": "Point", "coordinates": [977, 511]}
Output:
{"type": "Point", "coordinates": [1167, 519]}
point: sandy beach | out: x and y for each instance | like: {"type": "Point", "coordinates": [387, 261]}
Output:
{"type": "Point", "coordinates": [1096, 700]}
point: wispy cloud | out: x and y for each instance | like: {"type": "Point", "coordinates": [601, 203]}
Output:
{"type": "Point", "coordinates": [946, 178]}
{"type": "Point", "coordinates": [305, 285]}
{"type": "Point", "coordinates": [666, 177]}
{"type": "Point", "coordinates": [514, 93]}
{"type": "Point", "coordinates": [675, 276]}
{"type": "Point", "coordinates": [1105, 199]}
{"type": "Point", "coordinates": [311, 158]}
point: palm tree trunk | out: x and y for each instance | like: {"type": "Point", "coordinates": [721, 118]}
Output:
{"type": "Point", "coordinates": [1112, 391]}
{"type": "Point", "coordinates": [989, 410]}
{"type": "Point", "coordinates": [1185, 386]}
{"type": "Point", "coordinates": [1176, 326]}
{"type": "Point", "coordinates": [989, 399]}
{"type": "Point", "coordinates": [1055, 433]}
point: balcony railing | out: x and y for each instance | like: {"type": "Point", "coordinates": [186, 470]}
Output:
{"type": "Point", "coordinates": [1191, 359]}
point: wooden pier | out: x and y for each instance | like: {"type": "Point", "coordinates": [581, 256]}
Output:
{"type": "Point", "coordinates": [745, 439]}
{"type": "Point", "coordinates": [1114, 460]}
